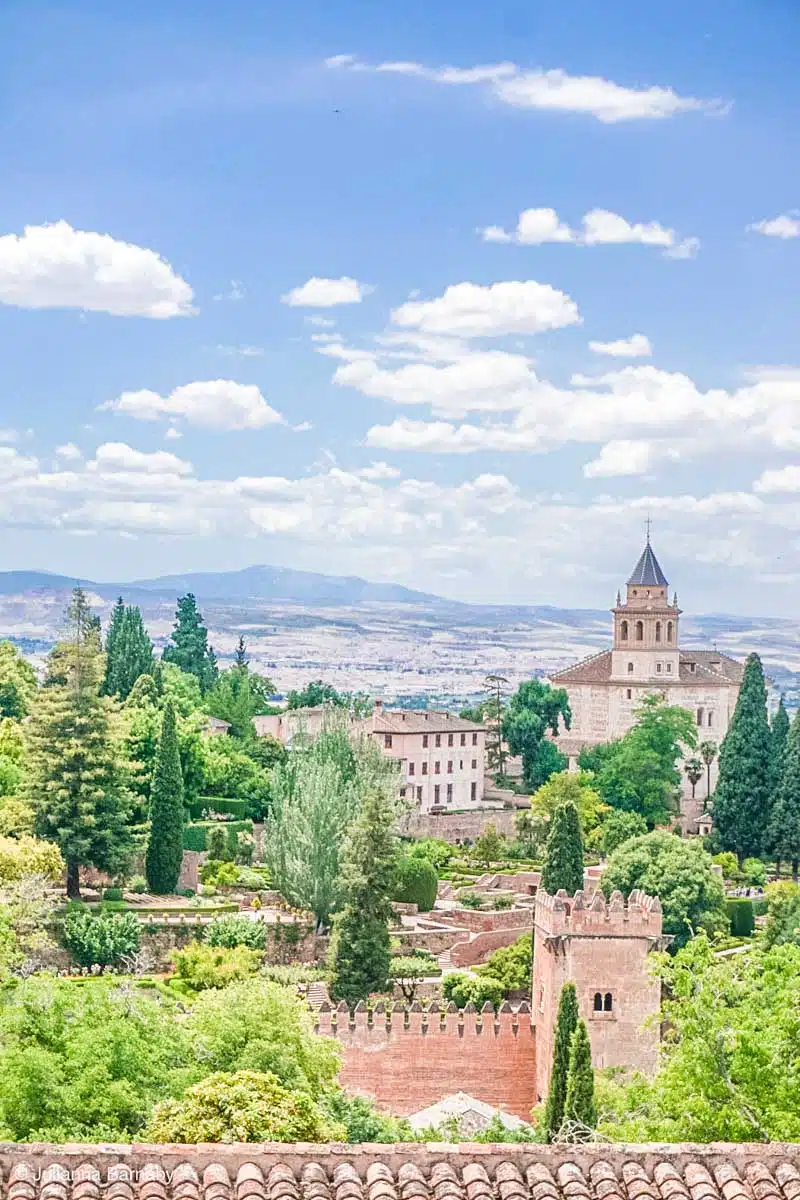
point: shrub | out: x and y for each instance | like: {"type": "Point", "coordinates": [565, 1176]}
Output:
{"type": "Point", "coordinates": [294, 976]}
{"type": "Point", "coordinates": [415, 882]}
{"type": "Point", "coordinates": [740, 911]}
{"type": "Point", "coordinates": [408, 972]}
{"type": "Point", "coordinates": [217, 843]}
{"type": "Point", "coordinates": [511, 965]}
{"type": "Point", "coordinates": [502, 902]}
{"type": "Point", "coordinates": [102, 940]}
{"type": "Point", "coordinates": [754, 872]}
{"type": "Point", "coordinates": [437, 852]}
{"type": "Point", "coordinates": [619, 827]}
{"type": "Point", "coordinates": [112, 893]}
{"type": "Point", "coordinates": [224, 805]}
{"type": "Point", "coordinates": [138, 885]}
{"type": "Point", "coordinates": [463, 989]}
{"type": "Point", "coordinates": [219, 874]}
{"type": "Point", "coordinates": [471, 899]}
{"type": "Point", "coordinates": [199, 966]}
{"type": "Point", "coordinates": [253, 878]}
{"type": "Point", "coordinates": [233, 931]}
{"type": "Point", "coordinates": [729, 864]}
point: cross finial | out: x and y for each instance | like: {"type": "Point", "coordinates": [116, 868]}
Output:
{"type": "Point", "coordinates": [647, 525]}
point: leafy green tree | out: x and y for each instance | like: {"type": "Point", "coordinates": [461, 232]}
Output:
{"type": "Point", "coordinates": [189, 648]}
{"type": "Point", "coordinates": [783, 831]}
{"type": "Point", "coordinates": [729, 1061]}
{"type": "Point", "coordinates": [579, 1105]}
{"type": "Point", "coordinates": [165, 842]}
{"type": "Point", "coordinates": [17, 683]}
{"type": "Point", "coordinates": [230, 771]}
{"type": "Point", "coordinates": [511, 965]}
{"type": "Point", "coordinates": [461, 989]}
{"type": "Point", "coordinates": [241, 662]}
{"type": "Point", "coordinates": [101, 940]}
{"type": "Point", "coordinates": [240, 1106]}
{"type": "Point", "coordinates": [620, 827]}
{"type": "Point", "coordinates": [563, 864]}
{"type": "Point", "coordinates": [76, 780]}
{"type": "Point", "coordinates": [569, 787]}
{"type": "Point", "coordinates": [639, 772]}
{"type": "Point", "coordinates": [534, 709]}
{"type": "Point", "coordinates": [314, 694]}
{"type": "Point", "coordinates": [489, 845]}
{"type": "Point", "coordinates": [408, 971]}
{"type": "Point", "coordinates": [566, 1024]}
{"type": "Point", "coordinates": [742, 797]}
{"type": "Point", "coordinates": [129, 651]}
{"type": "Point", "coordinates": [438, 852]}
{"type": "Point", "coordinates": [360, 945]}
{"type": "Point", "coordinates": [231, 699]}
{"type": "Point", "coordinates": [531, 830]}
{"type": "Point", "coordinates": [680, 873]}
{"type": "Point", "coordinates": [415, 882]}
{"type": "Point", "coordinates": [783, 915]}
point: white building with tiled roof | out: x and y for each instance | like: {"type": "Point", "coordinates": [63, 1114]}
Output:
{"type": "Point", "coordinates": [606, 689]}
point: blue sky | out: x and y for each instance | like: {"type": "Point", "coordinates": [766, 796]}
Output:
{"type": "Point", "coordinates": [456, 403]}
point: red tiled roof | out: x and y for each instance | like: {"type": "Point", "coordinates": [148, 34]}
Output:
{"type": "Point", "coordinates": [401, 1172]}
{"type": "Point", "coordinates": [393, 720]}
{"type": "Point", "coordinates": [596, 669]}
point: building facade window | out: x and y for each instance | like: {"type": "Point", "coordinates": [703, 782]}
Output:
{"type": "Point", "coordinates": [474, 764]}
{"type": "Point", "coordinates": [669, 668]}
{"type": "Point", "coordinates": [424, 768]}
{"type": "Point", "coordinates": [699, 718]}
{"type": "Point", "coordinates": [670, 630]}
{"type": "Point", "coordinates": [608, 1002]}
{"type": "Point", "coordinates": [658, 631]}
{"type": "Point", "coordinates": [411, 768]}
{"type": "Point", "coordinates": [630, 668]}
{"type": "Point", "coordinates": [639, 631]}
{"type": "Point", "coordinates": [463, 739]}
{"type": "Point", "coordinates": [597, 1003]}
{"type": "Point", "coordinates": [630, 693]}
{"type": "Point", "coordinates": [449, 793]}
{"type": "Point", "coordinates": [450, 739]}
{"type": "Point", "coordinates": [623, 631]}
{"type": "Point", "coordinates": [450, 767]}
{"type": "Point", "coordinates": [658, 668]}
{"type": "Point", "coordinates": [438, 739]}
{"type": "Point", "coordinates": [387, 741]}
{"type": "Point", "coordinates": [424, 741]}
{"type": "Point", "coordinates": [437, 768]}
{"type": "Point", "coordinates": [710, 720]}
{"type": "Point", "coordinates": [402, 793]}
{"type": "Point", "coordinates": [419, 793]}
{"type": "Point", "coordinates": [473, 791]}
{"type": "Point", "coordinates": [474, 739]}
{"type": "Point", "coordinates": [436, 792]}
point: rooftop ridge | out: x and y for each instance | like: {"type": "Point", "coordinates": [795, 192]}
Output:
{"type": "Point", "coordinates": [582, 662]}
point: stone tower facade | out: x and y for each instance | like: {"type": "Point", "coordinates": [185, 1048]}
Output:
{"type": "Point", "coordinates": [602, 948]}
{"type": "Point", "coordinates": [646, 626]}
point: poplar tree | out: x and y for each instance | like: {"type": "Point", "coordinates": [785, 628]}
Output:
{"type": "Point", "coordinates": [563, 865]}
{"type": "Point", "coordinates": [165, 843]}
{"type": "Point", "coordinates": [566, 1024]}
{"type": "Point", "coordinates": [579, 1106]}
{"type": "Point", "coordinates": [76, 782]}
{"type": "Point", "coordinates": [783, 831]}
{"type": "Point", "coordinates": [360, 949]}
{"type": "Point", "coordinates": [742, 797]}
{"type": "Point", "coordinates": [189, 648]}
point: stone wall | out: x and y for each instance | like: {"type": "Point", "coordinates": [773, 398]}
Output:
{"type": "Point", "coordinates": [456, 827]}
{"type": "Point", "coordinates": [408, 1059]}
{"type": "Point", "coordinates": [469, 954]}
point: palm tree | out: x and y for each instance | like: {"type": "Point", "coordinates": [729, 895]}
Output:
{"type": "Point", "coordinates": [693, 769]}
{"type": "Point", "coordinates": [708, 752]}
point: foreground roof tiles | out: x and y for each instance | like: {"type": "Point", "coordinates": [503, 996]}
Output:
{"type": "Point", "coordinates": [401, 1172]}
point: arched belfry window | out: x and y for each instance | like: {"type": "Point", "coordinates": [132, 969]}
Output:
{"type": "Point", "coordinates": [658, 631]}
{"type": "Point", "coordinates": [608, 1002]}
{"type": "Point", "coordinates": [639, 631]}
{"type": "Point", "coordinates": [623, 631]}
{"type": "Point", "coordinates": [598, 1002]}
{"type": "Point", "coordinates": [669, 631]}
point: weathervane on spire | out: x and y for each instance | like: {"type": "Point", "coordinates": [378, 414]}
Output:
{"type": "Point", "coordinates": [647, 525]}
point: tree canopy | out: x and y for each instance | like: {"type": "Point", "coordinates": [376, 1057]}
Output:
{"type": "Point", "coordinates": [188, 647]}
{"type": "Point", "coordinates": [533, 710]}
{"type": "Point", "coordinates": [744, 787]}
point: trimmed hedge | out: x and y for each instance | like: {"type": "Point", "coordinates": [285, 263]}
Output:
{"type": "Point", "coordinates": [415, 882]}
{"type": "Point", "coordinates": [742, 918]}
{"type": "Point", "coordinates": [229, 805]}
{"type": "Point", "coordinates": [194, 834]}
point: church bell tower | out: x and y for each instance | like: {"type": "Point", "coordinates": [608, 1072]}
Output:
{"type": "Point", "coordinates": [646, 626]}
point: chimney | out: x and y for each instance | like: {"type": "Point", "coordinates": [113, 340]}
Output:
{"type": "Point", "coordinates": [379, 704]}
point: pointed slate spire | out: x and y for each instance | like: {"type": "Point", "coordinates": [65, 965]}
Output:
{"type": "Point", "coordinates": [647, 572]}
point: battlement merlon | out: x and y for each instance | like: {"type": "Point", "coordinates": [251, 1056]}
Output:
{"type": "Point", "coordinates": [593, 916]}
{"type": "Point", "coordinates": [393, 1020]}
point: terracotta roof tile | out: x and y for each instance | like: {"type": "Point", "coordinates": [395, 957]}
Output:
{"type": "Point", "coordinates": [595, 669]}
{"type": "Point", "coordinates": [402, 1172]}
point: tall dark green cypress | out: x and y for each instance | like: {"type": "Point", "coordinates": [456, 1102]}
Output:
{"type": "Point", "coordinates": [779, 734]}
{"type": "Point", "coordinates": [566, 1024]}
{"type": "Point", "coordinates": [360, 946]}
{"type": "Point", "coordinates": [579, 1106]}
{"type": "Point", "coordinates": [113, 638]}
{"type": "Point", "coordinates": [783, 831]}
{"type": "Point", "coordinates": [563, 865]}
{"type": "Point", "coordinates": [129, 651]}
{"type": "Point", "coordinates": [189, 648]}
{"type": "Point", "coordinates": [742, 797]}
{"type": "Point", "coordinates": [165, 843]}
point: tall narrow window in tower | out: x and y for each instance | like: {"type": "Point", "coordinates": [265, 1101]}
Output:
{"type": "Point", "coordinates": [623, 631]}
{"type": "Point", "coordinates": [658, 631]}
{"type": "Point", "coordinates": [639, 631]}
{"type": "Point", "coordinates": [669, 631]}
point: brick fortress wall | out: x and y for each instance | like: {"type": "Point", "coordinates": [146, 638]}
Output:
{"type": "Point", "coordinates": [407, 1059]}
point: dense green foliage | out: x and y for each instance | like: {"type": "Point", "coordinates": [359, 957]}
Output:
{"type": "Point", "coordinates": [619, 827]}
{"type": "Point", "coordinates": [741, 915]}
{"type": "Point", "coordinates": [511, 966]}
{"type": "Point", "coordinates": [579, 1106]}
{"type": "Point", "coordinates": [237, 931]}
{"type": "Point", "coordinates": [783, 915]}
{"type": "Point", "coordinates": [17, 683]}
{"type": "Point", "coordinates": [680, 873]}
{"type": "Point", "coordinates": [462, 989]}
{"type": "Point", "coordinates": [360, 946]}
{"type": "Point", "coordinates": [743, 793]}
{"type": "Point", "coordinates": [165, 840]}
{"type": "Point", "coordinates": [415, 882]}
{"type": "Point", "coordinates": [129, 651]}
{"type": "Point", "coordinates": [200, 966]}
{"type": "Point", "coordinates": [567, 787]}
{"type": "Point", "coordinates": [783, 830]}
{"type": "Point", "coordinates": [102, 940]}
{"type": "Point", "coordinates": [566, 1024]}
{"type": "Point", "coordinates": [188, 647]}
{"type": "Point", "coordinates": [563, 864]}
{"type": "Point", "coordinates": [533, 710]}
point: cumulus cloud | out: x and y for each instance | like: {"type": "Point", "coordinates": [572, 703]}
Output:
{"type": "Point", "coordinates": [785, 479]}
{"type": "Point", "coordinates": [550, 91]}
{"type": "Point", "coordinates": [619, 458]}
{"type": "Point", "coordinates": [538, 226]}
{"type": "Point", "coordinates": [475, 310]}
{"type": "Point", "coordinates": [326, 293]}
{"type": "Point", "coordinates": [212, 404]}
{"type": "Point", "coordinates": [56, 266]}
{"type": "Point", "coordinates": [69, 452]}
{"type": "Point", "coordinates": [379, 470]}
{"type": "Point", "coordinates": [637, 346]}
{"type": "Point", "coordinates": [117, 456]}
{"type": "Point", "coordinates": [786, 226]}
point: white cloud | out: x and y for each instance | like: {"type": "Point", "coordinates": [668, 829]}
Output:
{"type": "Point", "coordinates": [11, 435]}
{"type": "Point", "coordinates": [637, 346]}
{"type": "Point", "coordinates": [325, 293]}
{"type": "Point", "coordinates": [474, 310]}
{"type": "Point", "coordinates": [14, 465]}
{"type": "Point", "coordinates": [786, 226]}
{"type": "Point", "coordinates": [379, 470]}
{"type": "Point", "coordinates": [212, 404]}
{"type": "Point", "coordinates": [552, 91]}
{"type": "Point", "coordinates": [56, 266]}
{"type": "Point", "coordinates": [620, 458]}
{"type": "Point", "coordinates": [241, 351]}
{"type": "Point", "coordinates": [786, 479]}
{"type": "Point", "coordinates": [114, 457]}
{"type": "Point", "coordinates": [69, 451]}
{"type": "Point", "coordinates": [538, 226]}
{"type": "Point", "coordinates": [173, 434]}
{"type": "Point", "coordinates": [320, 321]}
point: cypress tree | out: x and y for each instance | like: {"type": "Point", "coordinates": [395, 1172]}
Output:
{"type": "Point", "coordinates": [783, 831]}
{"type": "Point", "coordinates": [579, 1105]}
{"type": "Point", "coordinates": [779, 736]}
{"type": "Point", "coordinates": [742, 797]}
{"type": "Point", "coordinates": [76, 781]}
{"type": "Point", "coordinates": [113, 638]}
{"type": "Point", "coordinates": [566, 1024]}
{"type": "Point", "coordinates": [360, 945]}
{"type": "Point", "coordinates": [165, 843]}
{"type": "Point", "coordinates": [189, 649]}
{"type": "Point", "coordinates": [563, 866]}
{"type": "Point", "coordinates": [241, 660]}
{"type": "Point", "coordinates": [129, 651]}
